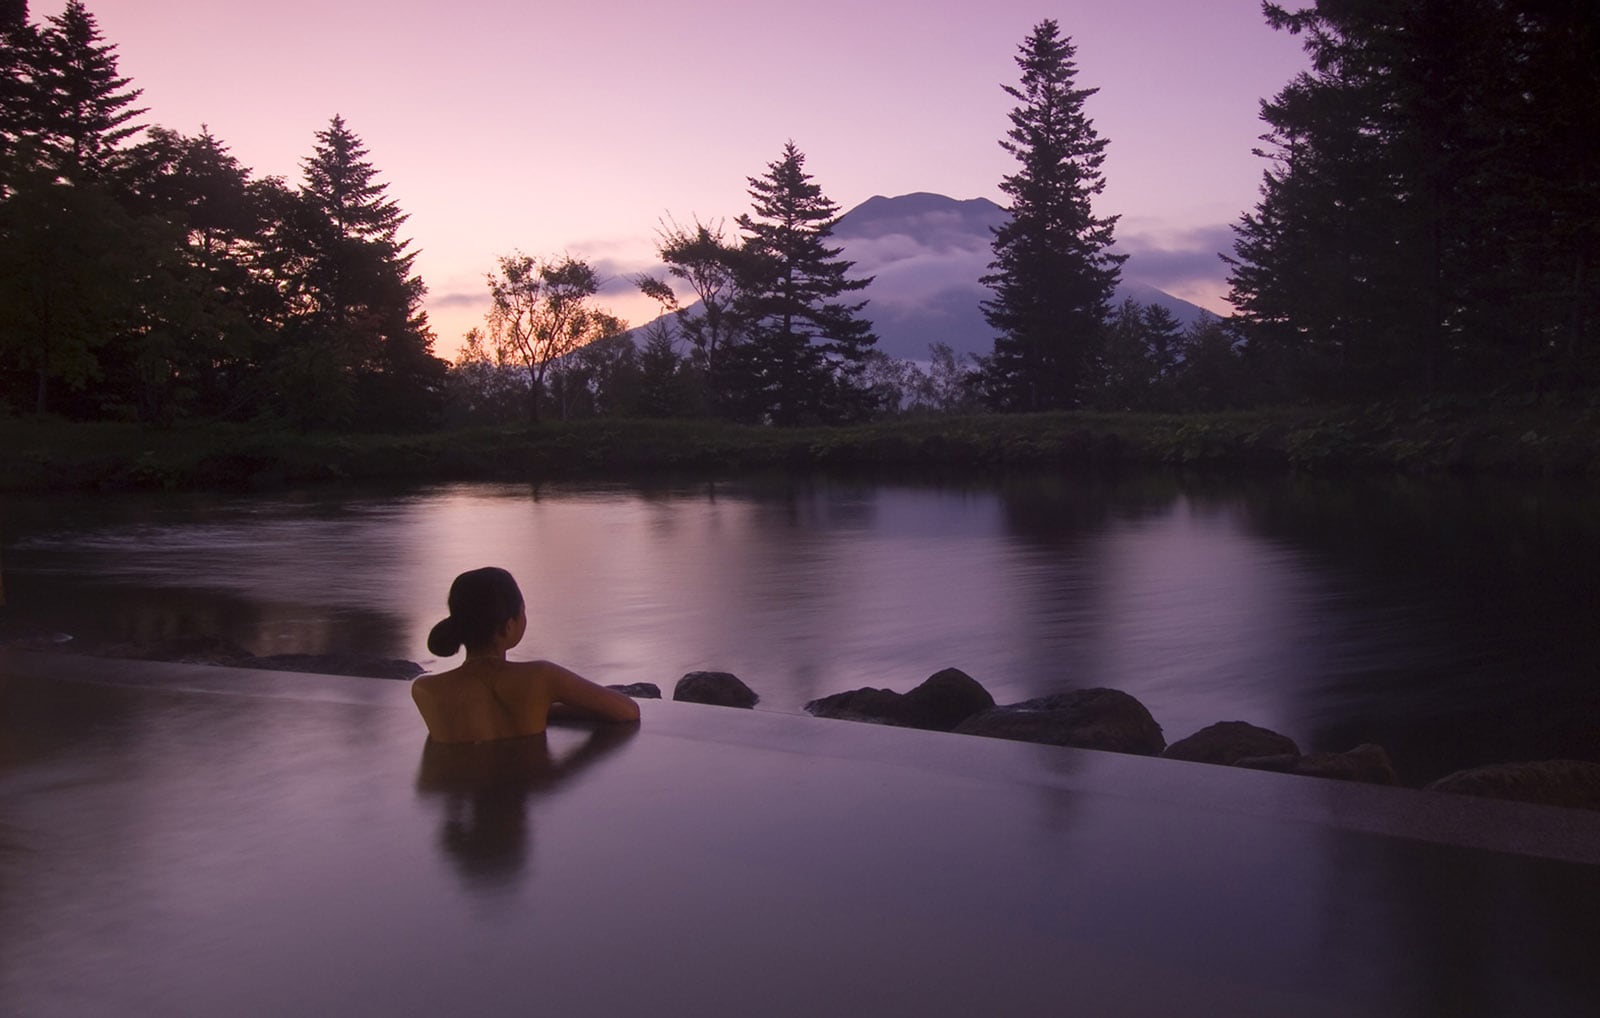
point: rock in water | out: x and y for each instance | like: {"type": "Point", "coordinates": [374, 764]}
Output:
{"type": "Point", "coordinates": [945, 699]}
{"type": "Point", "coordinates": [639, 690]}
{"type": "Point", "coordinates": [942, 701]}
{"type": "Point", "coordinates": [1367, 763]}
{"type": "Point", "coordinates": [1107, 719]}
{"type": "Point", "coordinates": [1571, 783]}
{"type": "Point", "coordinates": [1228, 741]}
{"type": "Point", "coordinates": [878, 706]}
{"type": "Point", "coordinates": [720, 689]}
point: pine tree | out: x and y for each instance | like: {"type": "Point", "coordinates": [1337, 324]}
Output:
{"type": "Point", "coordinates": [358, 340]}
{"type": "Point", "coordinates": [1212, 374]}
{"type": "Point", "coordinates": [76, 262]}
{"type": "Point", "coordinates": [1053, 274]}
{"type": "Point", "coordinates": [807, 348]}
{"type": "Point", "coordinates": [19, 46]}
{"type": "Point", "coordinates": [82, 108]}
{"type": "Point", "coordinates": [1429, 214]}
{"type": "Point", "coordinates": [1549, 101]}
{"type": "Point", "coordinates": [1127, 367]}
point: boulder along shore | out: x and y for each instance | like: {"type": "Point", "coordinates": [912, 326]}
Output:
{"type": "Point", "coordinates": [952, 701]}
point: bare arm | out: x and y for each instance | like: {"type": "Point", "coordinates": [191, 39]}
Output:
{"type": "Point", "coordinates": [585, 699]}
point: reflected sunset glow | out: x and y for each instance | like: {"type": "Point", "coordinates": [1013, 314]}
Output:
{"type": "Point", "coordinates": [1206, 605]}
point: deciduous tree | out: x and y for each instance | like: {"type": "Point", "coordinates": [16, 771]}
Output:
{"type": "Point", "coordinates": [201, 332]}
{"type": "Point", "coordinates": [483, 387]}
{"type": "Point", "coordinates": [712, 267]}
{"type": "Point", "coordinates": [71, 274]}
{"type": "Point", "coordinates": [542, 312]}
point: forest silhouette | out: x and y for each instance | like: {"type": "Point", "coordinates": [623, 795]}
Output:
{"type": "Point", "coordinates": [1427, 226]}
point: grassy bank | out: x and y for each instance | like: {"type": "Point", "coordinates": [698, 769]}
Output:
{"type": "Point", "coordinates": [1541, 438]}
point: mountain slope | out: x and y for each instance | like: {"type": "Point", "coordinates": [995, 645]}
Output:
{"type": "Point", "coordinates": [926, 253]}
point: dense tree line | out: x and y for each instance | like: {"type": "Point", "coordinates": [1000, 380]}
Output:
{"type": "Point", "coordinates": [1059, 343]}
{"type": "Point", "coordinates": [146, 274]}
{"type": "Point", "coordinates": [1429, 221]}
{"type": "Point", "coordinates": [772, 334]}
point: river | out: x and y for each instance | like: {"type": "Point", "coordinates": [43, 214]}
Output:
{"type": "Point", "coordinates": [1454, 622]}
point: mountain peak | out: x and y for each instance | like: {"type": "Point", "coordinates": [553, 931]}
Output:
{"type": "Point", "coordinates": [926, 253]}
{"type": "Point", "coordinates": [921, 214]}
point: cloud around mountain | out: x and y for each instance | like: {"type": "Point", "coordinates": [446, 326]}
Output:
{"type": "Point", "coordinates": [1175, 262]}
{"type": "Point", "coordinates": [926, 253]}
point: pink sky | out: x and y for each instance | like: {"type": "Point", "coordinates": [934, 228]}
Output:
{"type": "Point", "coordinates": [576, 127]}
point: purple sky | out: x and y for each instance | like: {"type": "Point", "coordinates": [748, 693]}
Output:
{"type": "Point", "coordinates": [576, 127]}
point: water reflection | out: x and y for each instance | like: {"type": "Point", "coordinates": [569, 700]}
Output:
{"type": "Point", "coordinates": [1451, 622]}
{"type": "Point", "coordinates": [484, 791]}
{"type": "Point", "coordinates": [1482, 933]}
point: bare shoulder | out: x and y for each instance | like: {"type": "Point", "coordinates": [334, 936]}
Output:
{"type": "Point", "coordinates": [425, 687]}
{"type": "Point", "coordinates": [523, 682]}
{"type": "Point", "coordinates": [438, 700]}
{"type": "Point", "coordinates": [587, 698]}
{"type": "Point", "coordinates": [525, 672]}
{"type": "Point", "coordinates": [547, 670]}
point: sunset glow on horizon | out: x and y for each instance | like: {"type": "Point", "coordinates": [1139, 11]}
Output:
{"type": "Point", "coordinates": [502, 126]}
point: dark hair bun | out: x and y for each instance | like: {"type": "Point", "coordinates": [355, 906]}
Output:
{"type": "Point", "coordinates": [481, 601]}
{"type": "Point", "coordinates": [444, 639]}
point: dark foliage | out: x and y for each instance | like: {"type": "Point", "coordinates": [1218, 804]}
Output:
{"type": "Point", "coordinates": [1431, 215]}
{"type": "Point", "coordinates": [144, 274]}
{"type": "Point", "coordinates": [1053, 273]}
{"type": "Point", "coordinates": [805, 346]}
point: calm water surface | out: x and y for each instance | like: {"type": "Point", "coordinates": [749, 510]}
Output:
{"type": "Point", "coordinates": [1453, 623]}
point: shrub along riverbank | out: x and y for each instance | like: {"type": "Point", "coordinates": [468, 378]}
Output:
{"type": "Point", "coordinates": [1532, 438]}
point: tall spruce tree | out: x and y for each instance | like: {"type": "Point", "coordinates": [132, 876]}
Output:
{"type": "Point", "coordinates": [807, 347]}
{"type": "Point", "coordinates": [1430, 210]}
{"type": "Point", "coordinates": [1053, 273]}
{"type": "Point", "coordinates": [77, 264]}
{"type": "Point", "coordinates": [82, 107]}
{"type": "Point", "coordinates": [19, 42]}
{"type": "Point", "coordinates": [358, 343]}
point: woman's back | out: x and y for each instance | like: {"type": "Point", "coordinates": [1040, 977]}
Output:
{"type": "Point", "coordinates": [493, 699]}
{"type": "Point", "coordinates": [484, 699]}
{"type": "Point", "coordinates": [488, 697]}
